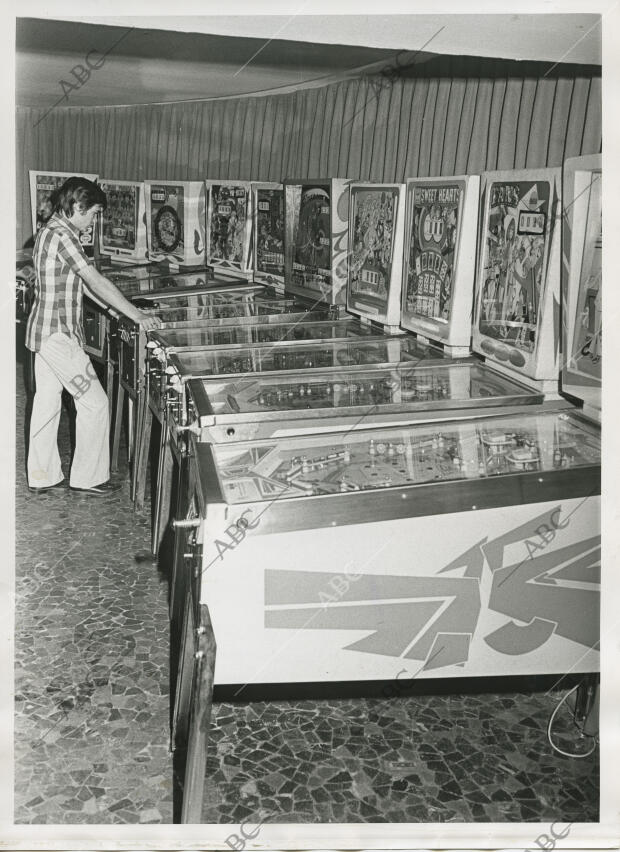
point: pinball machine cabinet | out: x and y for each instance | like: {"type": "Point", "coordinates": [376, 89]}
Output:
{"type": "Point", "coordinates": [487, 589]}
{"type": "Point", "coordinates": [447, 549]}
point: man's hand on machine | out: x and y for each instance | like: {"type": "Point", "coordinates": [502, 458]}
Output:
{"type": "Point", "coordinates": [148, 322]}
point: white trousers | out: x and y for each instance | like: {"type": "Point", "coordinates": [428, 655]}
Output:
{"type": "Point", "coordinates": [61, 362]}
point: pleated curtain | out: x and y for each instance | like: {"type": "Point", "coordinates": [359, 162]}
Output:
{"type": "Point", "coordinates": [369, 128]}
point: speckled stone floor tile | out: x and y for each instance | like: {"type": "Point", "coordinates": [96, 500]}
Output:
{"type": "Point", "coordinates": [91, 659]}
{"type": "Point", "coordinates": [92, 709]}
{"type": "Point", "coordinates": [458, 758]}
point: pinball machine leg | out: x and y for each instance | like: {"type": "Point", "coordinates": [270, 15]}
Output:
{"type": "Point", "coordinates": [199, 721]}
{"type": "Point", "coordinates": [130, 428]}
{"type": "Point", "coordinates": [109, 386]}
{"type": "Point", "coordinates": [118, 424]}
{"type": "Point", "coordinates": [144, 421]}
{"type": "Point", "coordinates": [162, 494]}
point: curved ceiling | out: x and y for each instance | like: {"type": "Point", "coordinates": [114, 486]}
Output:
{"type": "Point", "coordinates": [136, 60]}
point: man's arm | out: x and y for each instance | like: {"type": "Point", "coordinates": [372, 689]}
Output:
{"type": "Point", "coordinates": [109, 294]}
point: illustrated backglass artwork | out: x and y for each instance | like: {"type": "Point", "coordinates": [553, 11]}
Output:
{"type": "Point", "coordinates": [229, 226]}
{"type": "Point", "coordinates": [308, 230]}
{"type": "Point", "coordinates": [587, 340]}
{"type": "Point", "coordinates": [269, 233]}
{"type": "Point", "coordinates": [312, 238]}
{"type": "Point", "coordinates": [42, 185]}
{"type": "Point", "coordinates": [517, 320]}
{"type": "Point", "coordinates": [167, 218]}
{"type": "Point", "coordinates": [123, 230]}
{"type": "Point", "coordinates": [373, 212]}
{"type": "Point", "coordinates": [120, 218]}
{"type": "Point", "coordinates": [175, 213]}
{"type": "Point", "coordinates": [582, 244]}
{"type": "Point", "coordinates": [439, 259]}
{"type": "Point", "coordinates": [434, 224]}
{"type": "Point", "coordinates": [516, 235]}
{"type": "Point", "coordinates": [375, 259]}
{"type": "Point", "coordinates": [316, 223]}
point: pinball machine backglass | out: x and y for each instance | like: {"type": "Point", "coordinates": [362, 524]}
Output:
{"type": "Point", "coordinates": [229, 227]}
{"type": "Point", "coordinates": [376, 234]}
{"type": "Point", "coordinates": [582, 281]}
{"type": "Point", "coordinates": [440, 259]}
{"type": "Point", "coordinates": [316, 238]}
{"type": "Point", "coordinates": [517, 319]}
{"type": "Point", "coordinates": [175, 215]}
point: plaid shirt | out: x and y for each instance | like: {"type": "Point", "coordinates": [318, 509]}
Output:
{"type": "Point", "coordinates": [58, 258]}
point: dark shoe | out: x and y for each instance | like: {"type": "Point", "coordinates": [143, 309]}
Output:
{"type": "Point", "coordinates": [99, 490]}
{"type": "Point", "coordinates": [45, 488]}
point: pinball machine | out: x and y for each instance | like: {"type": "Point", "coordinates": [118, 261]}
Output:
{"type": "Point", "coordinates": [444, 548]}
{"type": "Point", "coordinates": [482, 465]}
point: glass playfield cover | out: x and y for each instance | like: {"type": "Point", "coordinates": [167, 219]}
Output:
{"type": "Point", "coordinates": [412, 455]}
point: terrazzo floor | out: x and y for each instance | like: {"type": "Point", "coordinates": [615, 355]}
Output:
{"type": "Point", "coordinates": [92, 708]}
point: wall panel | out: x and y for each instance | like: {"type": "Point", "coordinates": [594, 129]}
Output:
{"type": "Point", "coordinates": [378, 127]}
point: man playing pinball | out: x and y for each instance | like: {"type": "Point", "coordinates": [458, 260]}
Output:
{"type": "Point", "coordinates": [54, 333]}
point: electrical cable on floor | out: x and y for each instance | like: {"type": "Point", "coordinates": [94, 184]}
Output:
{"type": "Point", "coordinates": [550, 725]}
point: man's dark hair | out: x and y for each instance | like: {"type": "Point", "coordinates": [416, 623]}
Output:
{"type": "Point", "coordinates": [78, 190]}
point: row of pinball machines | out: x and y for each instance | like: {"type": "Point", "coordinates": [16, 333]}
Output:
{"type": "Point", "coordinates": [151, 242]}
{"type": "Point", "coordinates": [417, 503]}
{"type": "Point", "coordinates": [401, 339]}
